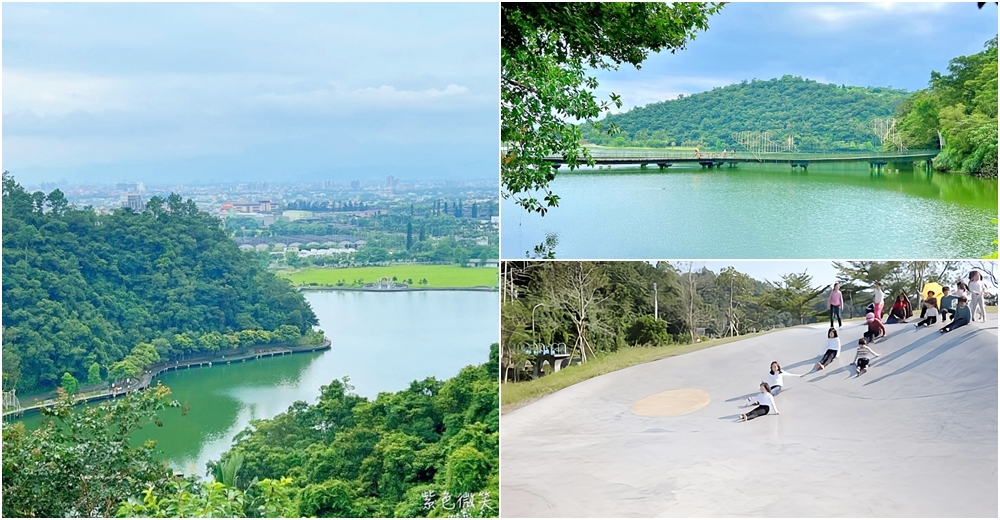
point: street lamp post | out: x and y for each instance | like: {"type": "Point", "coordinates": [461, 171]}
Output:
{"type": "Point", "coordinates": [656, 304]}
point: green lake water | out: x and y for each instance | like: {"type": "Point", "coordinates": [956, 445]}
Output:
{"type": "Point", "coordinates": [760, 211]}
{"type": "Point", "coordinates": [382, 341]}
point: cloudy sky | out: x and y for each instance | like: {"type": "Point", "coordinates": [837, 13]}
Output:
{"type": "Point", "coordinates": [225, 92]}
{"type": "Point", "coordinates": [871, 44]}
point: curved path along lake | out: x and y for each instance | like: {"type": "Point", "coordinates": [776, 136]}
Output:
{"type": "Point", "coordinates": [760, 211]}
{"type": "Point", "coordinates": [382, 341]}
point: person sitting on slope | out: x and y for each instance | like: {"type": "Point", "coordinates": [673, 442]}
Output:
{"type": "Point", "coordinates": [930, 312]}
{"type": "Point", "coordinates": [832, 349]}
{"type": "Point", "coordinates": [863, 357]}
{"type": "Point", "coordinates": [765, 404]}
{"type": "Point", "coordinates": [963, 316]}
{"type": "Point", "coordinates": [875, 328]}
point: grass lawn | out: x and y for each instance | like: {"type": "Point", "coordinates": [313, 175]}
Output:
{"type": "Point", "coordinates": [516, 395]}
{"type": "Point", "coordinates": [436, 275]}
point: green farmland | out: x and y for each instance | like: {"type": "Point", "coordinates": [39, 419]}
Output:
{"type": "Point", "coordinates": [437, 276]}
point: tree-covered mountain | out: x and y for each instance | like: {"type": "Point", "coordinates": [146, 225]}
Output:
{"type": "Point", "coordinates": [84, 291]}
{"type": "Point", "coordinates": [962, 105]}
{"type": "Point", "coordinates": [819, 116]}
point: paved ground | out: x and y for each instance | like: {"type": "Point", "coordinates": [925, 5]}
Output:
{"type": "Point", "coordinates": [914, 437]}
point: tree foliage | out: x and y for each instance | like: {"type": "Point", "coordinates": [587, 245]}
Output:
{"type": "Point", "coordinates": [547, 52]}
{"type": "Point", "coordinates": [125, 289]}
{"type": "Point", "coordinates": [962, 105]}
{"type": "Point", "coordinates": [818, 116]}
{"type": "Point", "coordinates": [80, 463]}
{"type": "Point", "coordinates": [348, 456]}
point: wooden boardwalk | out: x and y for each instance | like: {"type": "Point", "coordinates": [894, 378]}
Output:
{"type": "Point", "coordinates": [147, 378]}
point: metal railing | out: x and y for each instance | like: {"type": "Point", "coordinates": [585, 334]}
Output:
{"type": "Point", "coordinates": [667, 155]}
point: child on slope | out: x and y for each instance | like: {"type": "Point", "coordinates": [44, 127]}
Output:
{"type": "Point", "coordinates": [863, 356]}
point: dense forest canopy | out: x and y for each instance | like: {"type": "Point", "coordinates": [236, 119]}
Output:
{"type": "Point", "coordinates": [126, 289]}
{"type": "Point", "coordinates": [401, 455]}
{"type": "Point", "coordinates": [819, 116]}
{"type": "Point", "coordinates": [962, 105]}
{"type": "Point", "coordinates": [429, 450]}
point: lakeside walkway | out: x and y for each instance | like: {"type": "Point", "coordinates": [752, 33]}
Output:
{"type": "Point", "coordinates": [919, 426]}
{"type": "Point", "coordinates": [147, 378]}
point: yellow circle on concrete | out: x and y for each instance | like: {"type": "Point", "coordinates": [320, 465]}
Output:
{"type": "Point", "coordinates": [671, 402]}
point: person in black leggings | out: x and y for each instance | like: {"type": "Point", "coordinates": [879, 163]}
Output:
{"type": "Point", "coordinates": [764, 402]}
{"type": "Point", "coordinates": [832, 349]}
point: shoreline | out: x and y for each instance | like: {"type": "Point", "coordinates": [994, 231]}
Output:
{"type": "Point", "coordinates": [324, 288]}
{"type": "Point", "coordinates": [146, 380]}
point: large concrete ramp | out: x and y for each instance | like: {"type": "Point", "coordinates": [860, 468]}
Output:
{"type": "Point", "coordinates": [914, 437]}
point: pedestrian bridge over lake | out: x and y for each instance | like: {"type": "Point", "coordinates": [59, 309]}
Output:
{"type": "Point", "coordinates": [666, 158]}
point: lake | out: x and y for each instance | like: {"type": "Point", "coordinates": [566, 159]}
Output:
{"type": "Point", "coordinates": [760, 211]}
{"type": "Point", "coordinates": [382, 341]}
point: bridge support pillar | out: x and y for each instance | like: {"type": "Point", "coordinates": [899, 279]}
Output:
{"type": "Point", "coordinates": [664, 166]}
{"type": "Point", "coordinates": [800, 164]}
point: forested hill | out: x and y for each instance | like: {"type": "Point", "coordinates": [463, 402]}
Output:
{"type": "Point", "coordinates": [819, 116]}
{"type": "Point", "coordinates": [103, 296]}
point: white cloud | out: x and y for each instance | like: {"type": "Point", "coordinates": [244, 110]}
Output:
{"type": "Point", "coordinates": [47, 94]}
{"type": "Point", "coordinates": [837, 16]}
{"type": "Point", "coordinates": [339, 98]}
{"type": "Point", "coordinates": [654, 90]}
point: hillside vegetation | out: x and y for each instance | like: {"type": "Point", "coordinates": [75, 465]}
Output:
{"type": "Point", "coordinates": [103, 296]}
{"type": "Point", "coordinates": [819, 116]}
{"type": "Point", "coordinates": [431, 450]}
{"type": "Point", "coordinates": [962, 105]}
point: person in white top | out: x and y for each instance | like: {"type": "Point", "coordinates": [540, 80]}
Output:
{"type": "Point", "coordinates": [832, 349]}
{"type": "Point", "coordinates": [878, 299]}
{"type": "Point", "coordinates": [976, 290]}
{"type": "Point", "coordinates": [863, 356]}
{"type": "Point", "coordinates": [775, 378]}
{"type": "Point", "coordinates": [765, 404]}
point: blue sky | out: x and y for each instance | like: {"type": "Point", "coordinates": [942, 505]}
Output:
{"type": "Point", "coordinates": [231, 92]}
{"type": "Point", "coordinates": [862, 44]}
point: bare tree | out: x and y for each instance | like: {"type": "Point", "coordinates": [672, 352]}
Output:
{"type": "Point", "coordinates": [694, 312]}
{"type": "Point", "coordinates": [577, 289]}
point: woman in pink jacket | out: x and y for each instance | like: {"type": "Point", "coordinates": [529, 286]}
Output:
{"type": "Point", "coordinates": [836, 302]}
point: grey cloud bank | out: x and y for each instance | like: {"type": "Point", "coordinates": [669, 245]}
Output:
{"type": "Point", "coordinates": [199, 92]}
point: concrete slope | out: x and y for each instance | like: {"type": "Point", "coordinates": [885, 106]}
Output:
{"type": "Point", "coordinates": [914, 437]}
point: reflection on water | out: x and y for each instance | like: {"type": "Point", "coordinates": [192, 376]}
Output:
{"type": "Point", "coordinates": [382, 341]}
{"type": "Point", "coordinates": [761, 211]}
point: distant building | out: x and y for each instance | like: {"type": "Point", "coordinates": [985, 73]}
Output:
{"type": "Point", "coordinates": [292, 215]}
{"type": "Point", "coordinates": [134, 201]}
{"type": "Point", "coordinates": [134, 187]}
{"type": "Point", "coordinates": [355, 185]}
{"type": "Point", "coordinates": [260, 206]}
{"type": "Point", "coordinates": [391, 182]}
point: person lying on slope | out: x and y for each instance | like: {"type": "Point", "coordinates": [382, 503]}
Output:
{"type": "Point", "coordinates": [775, 378]}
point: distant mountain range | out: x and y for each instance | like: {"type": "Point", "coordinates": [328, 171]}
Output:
{"type": "Point", "coordinates": [818, 116]}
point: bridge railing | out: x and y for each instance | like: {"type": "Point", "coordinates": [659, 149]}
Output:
{"type": "Point", "coordinates": [667, 155]}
